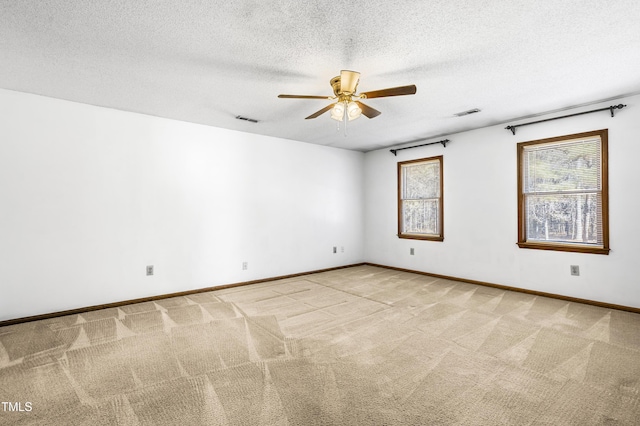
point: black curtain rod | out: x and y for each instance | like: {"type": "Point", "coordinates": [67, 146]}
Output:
{"type": "Point", "coordinates": [609, 108]}
{"type": "Point", "coordinates": [443, 142]}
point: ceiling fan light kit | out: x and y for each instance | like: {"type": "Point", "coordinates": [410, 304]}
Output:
{"type": "Point", "coordinates": [350, 110]}
{"type": "Point", "coordinates": [353, 111]}
{"type": "Point", "coordinates": [348, 106]}
{"type": "Point", "coordinates": [337, 112]}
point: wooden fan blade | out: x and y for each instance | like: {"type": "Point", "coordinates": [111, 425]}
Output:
{"type": "Point", "coordinates": [367, 111]}
{"type": "Point", "coordinates": [303, 97]}
{"type": "Point", "coordinates": [319, 113]}
{"type": "Point", "coordinates": [394, 91]}
{"type": "Point", "coordinates": [349, 81]}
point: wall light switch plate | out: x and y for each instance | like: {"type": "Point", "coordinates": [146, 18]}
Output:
{"type": "Point", "coordinates": [150, 270]}
{"type": "Point", "coordinates": [575, 270]}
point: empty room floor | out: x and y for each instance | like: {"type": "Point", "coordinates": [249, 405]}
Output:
{"type": "Point", "coordinates": [362, 345]}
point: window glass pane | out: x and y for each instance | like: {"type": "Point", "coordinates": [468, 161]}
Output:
{"type": "Point", "coordinates": [420, 199]}
{"type": "Point", "coordinates": [420, 216]}
{"type": "Point", "coordinates": [561, 167]}
{"type": "Point", "coordinates": [421, 180]}
{"type": "Point", "coordinates": [563, 193]}
{"type": "Point", "coordinates": [573, 218]}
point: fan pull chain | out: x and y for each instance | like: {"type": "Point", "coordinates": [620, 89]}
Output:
{"type": "Point", "coordinates": [344, 117]}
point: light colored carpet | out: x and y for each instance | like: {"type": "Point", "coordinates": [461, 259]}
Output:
{"type": "Point", "coordinates": [357, 346]}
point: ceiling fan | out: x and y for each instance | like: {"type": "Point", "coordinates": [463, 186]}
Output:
{"type": "Point", "coordinates": [348, 105]}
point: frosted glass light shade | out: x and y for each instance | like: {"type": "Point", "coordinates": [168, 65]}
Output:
{"type": "Point", "coordinates": [337, 112]}
{"type": "Point", "coordinates": [353, 111]}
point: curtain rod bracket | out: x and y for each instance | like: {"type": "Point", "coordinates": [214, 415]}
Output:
{"type": "Point", "coordinates": [614, 107]}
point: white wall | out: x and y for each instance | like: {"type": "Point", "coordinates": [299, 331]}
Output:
{"type": "Point", "coordinates": [89, 196]}
{"type": "Point", "coordinates": [480, 211]}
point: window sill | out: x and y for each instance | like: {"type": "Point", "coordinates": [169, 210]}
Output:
{"type": "Point", "coordinates": [421, 237]}
{"type": "Point", "coordinates": [565, 247]}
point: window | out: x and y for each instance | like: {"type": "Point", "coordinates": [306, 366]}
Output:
{"type": "Point", "coordinates": [420, 199]}
{"type": "Point", "coordinates": [562, 193]}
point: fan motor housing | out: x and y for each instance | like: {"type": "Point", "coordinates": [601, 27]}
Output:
{"type": "Point", "coordinates": [335, 84]}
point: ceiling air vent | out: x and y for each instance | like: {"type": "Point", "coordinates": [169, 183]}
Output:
{"type": "Point", "coordinates": [467, 112]}
{"type": "Point", "coordinates": [251, 120]}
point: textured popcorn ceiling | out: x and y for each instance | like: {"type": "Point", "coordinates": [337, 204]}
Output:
{"type": "Point", "coordinates": [208, 61]}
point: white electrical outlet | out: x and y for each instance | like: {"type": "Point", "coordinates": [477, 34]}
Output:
{"type": "Point", "coordinates": [150, 270]}
{"type": "Point", "coordinates": [341, 249]}
{"type": "Point", "coordinates": [335, 249]}
{"type": "Point", "coordinates": [245, 266]}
